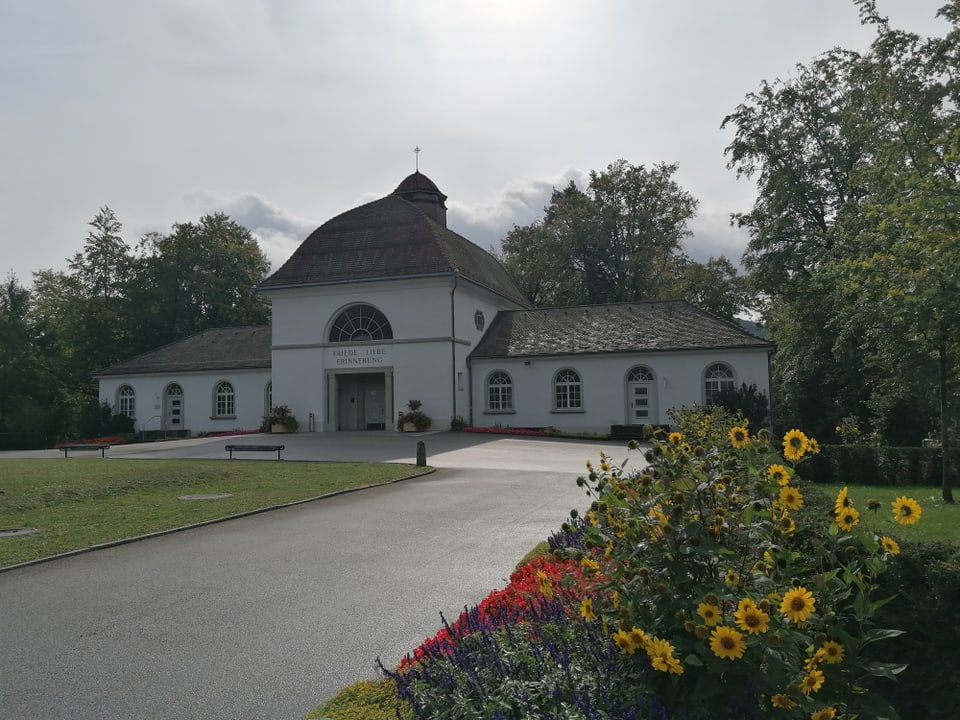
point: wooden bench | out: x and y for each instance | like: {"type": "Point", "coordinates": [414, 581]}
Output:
{"type": "Point", "coordinates": [90, 446]}
{"type": "Point", "coordinates": [253, 448]}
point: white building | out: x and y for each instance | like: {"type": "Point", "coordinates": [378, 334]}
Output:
{"type": "Point", "coordinates": [384, 304]}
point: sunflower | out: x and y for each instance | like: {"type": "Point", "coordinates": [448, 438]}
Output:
{"type": "Point", "coordinates": [812, 682]}
{"type": "Point", "coordinates": [779, 474]}
{"type": "Point", "coordinates": [842, 500]}
{"type": "Point", "coordinates": [674, 438]}
{"type": "Point", "coordinates": [732, 578]}
{"type": "Point", "coordinates": [739, 437]}
{"type": "Point", "coordinates": [586, 609]}
{"type": "Point", "coordinates": [727, 643]}
{"type": "Point", "coordinates": [787, 525]}
{"type": "Point", "coordinates": [827, 713]}
{"type": "Point", "coordinates": [546, 586]}
{"type": "Point", "coordinates": [832, 652]}
{"type": "Point", "coordinates": [798, 604]}
{"type": "Point", "coordinates": [590, 565]}
{"type": "Point", "coordinates": [795, 444]}
{"type": "Point", "coordinates": [906, 511]}
{"type": "Point", "coordinates": [890, 545]}
{"type": "Point", "coordinates": [662, 658]}
{"type": "Point", "coordinates": [782, 700]}
{"type": "Point", "coordinates": [813, 447]}
{"type": "Point", "coordinates": [847, 518]}
{"type": "Point", "coordinates": [709, 612]}
{"type": "Point", "coordinates": [791, 498]}
{"type": "Point", "coordinates": [625, 642]}
{"type": "Point", "coordinates": [750, 618]}
{"type": "Point", "coordinates": [638, 637]}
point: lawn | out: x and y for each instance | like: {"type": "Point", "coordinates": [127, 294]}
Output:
{"type": "Point", "coordinates": [939, 521]}
{"type": "Point", "coordinates": [86, 502]}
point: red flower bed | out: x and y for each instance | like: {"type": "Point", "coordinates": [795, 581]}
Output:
{"type": "Point", "coordinates": [506, 431]}
{"type": "Point", "coordinates": [93, 441]}
{"type": "Point", "coordinates": [521, 600]}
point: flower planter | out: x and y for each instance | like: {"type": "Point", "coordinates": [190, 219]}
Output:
{"type": "Point", "coordinates": [278, 428]}
{"type": "Point", "coordinates": [409, 427]}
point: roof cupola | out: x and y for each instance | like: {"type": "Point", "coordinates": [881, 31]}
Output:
{"type": "Point", "coordinates": [422, 192]}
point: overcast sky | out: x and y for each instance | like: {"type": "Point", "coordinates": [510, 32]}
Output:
{"type": "Point", "coordinates": [284, 113]}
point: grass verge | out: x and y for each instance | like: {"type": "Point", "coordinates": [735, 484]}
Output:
{"type": "Point", "coordinates": [88, 502]}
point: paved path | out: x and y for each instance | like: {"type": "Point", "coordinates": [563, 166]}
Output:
{"type": "Point", "coordinates": [266, 616]}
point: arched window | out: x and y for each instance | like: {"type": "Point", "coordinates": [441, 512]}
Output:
{"type": "Point", "coordinates": [717, 377]}
{"type": "Point", "coordinates": [126, 401]}
{"type": "Point", "coordinates": [640, 374]}
{"type": "Point", "coordinates": [360, 322]}
{"type": "Point", "coordinates": [499, 392]}
{"type": "Point", "coordinates": [567, 390]}
{"type": "Point", "coordinates": [224, 400]}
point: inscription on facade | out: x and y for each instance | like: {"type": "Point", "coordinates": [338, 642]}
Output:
{"type": "Point", "coordinates": [355, 357]}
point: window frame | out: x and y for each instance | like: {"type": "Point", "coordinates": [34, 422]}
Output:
{"type": "Point", "coordinates": [503, 391]}
{"type": "Point", "coordinates": [127, 403]}
{"type": "Point", "coordinates": [224, 400]}
{"type": "Point", "coordinates": [567, 392]}
{"type": "Point", "coordinates": [370, 324]}
{"type": "Point", "coordinates": [711, 377]}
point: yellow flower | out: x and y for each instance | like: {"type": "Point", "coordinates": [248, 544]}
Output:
{"type": "Point", "coordinates": [906, 511]}
{"type": "Point", "coordinates": [798, 604]}
{"type": "Point", "coordinates": [832, 652]}
{"type": "Point", "coordinates": [546, 587]}
{"type": "Point", "coordinates": [795, 444]}
{"type": "Point", "coordinates": [725, 642]}
{"type": "Point", "coordinates": [787, 525]}
{"type": "Point", "coordinates": [710, 613]}
{"type": "Point", "coordinates": [638, 637]}
{"type": "Point", "coordinates": [813, 447]}
{"type": "Point", "coordinates": [674, 438]}
{"type": "Point", "coordinates": [812, 682]}
{"type": "Point", "coordinates": [827, 713]}
{"type": "Point", "coordinates": [890, 545]}
{"type": "Point", "coordinates": [750, 618]}
{"type": "Point", "coordinates": [624, 642]}
{"type": "Point", "coordinates": [779, 474]}
{"type": "Point", "coordinates": [791, 498]}
{"type": "Point", "coordinates": [842, 500]}
{"type": "Point", "coordinates": [661, 656]}
{"type": "Point", "coordinates": [782, 700]}
{"type": "Point", "coordinates": [590, 565]}
{"type": "Point", "coordinates": [848, 517]}
{"type": "Point", "coordinates": [739, 437]}
{"type": "Point", "coordinates": [732, 578]}
{"type": "Point", "coordinates": [586, 609]}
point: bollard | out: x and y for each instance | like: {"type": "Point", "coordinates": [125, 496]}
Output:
{"type": "Point", "coordinates": [421, 454]}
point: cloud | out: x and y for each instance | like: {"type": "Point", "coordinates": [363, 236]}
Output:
{"type": "Point", "coordinates": [278, 231]}
{"type": "Point", "coordinates": [521, 202]}
{"type": "Point", "coordinates": [714, 236]}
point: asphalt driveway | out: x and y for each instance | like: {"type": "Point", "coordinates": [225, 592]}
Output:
{"type": "Point", "coordinates": [267, 615]}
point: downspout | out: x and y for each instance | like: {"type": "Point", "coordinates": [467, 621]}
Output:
{"type": "Point", "coordinates": [453, 346]}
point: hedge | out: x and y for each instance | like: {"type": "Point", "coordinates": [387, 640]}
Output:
{"type": "Point", "coordinates": [869, 465]}
{"type": "Point", "coordinates": [24, 441]}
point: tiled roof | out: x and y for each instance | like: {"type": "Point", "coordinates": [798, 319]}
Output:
{"type": "Point", "coordinates": [624, 327]}
{"type": "Point", "coordinates": [239, 348]}
{"type": "Point", "coordinates": [389, 238]}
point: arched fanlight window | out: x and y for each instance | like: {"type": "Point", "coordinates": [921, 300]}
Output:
{"type": "Point", "coordinates": [499, 391]}
{"type": "Point", "coordinates": [567, 390]}
{"type": "Point", "coordinates": [360, 322]}
{"type": "Point", "coordinates": [716, 378]}
{"type": "Point", "coordinates": [224, 400]}
{"type": "Point", "coordinates": [126, 401]}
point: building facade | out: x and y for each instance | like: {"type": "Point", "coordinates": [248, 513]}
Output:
{"type": "Point", "coordinates": [384, 304]}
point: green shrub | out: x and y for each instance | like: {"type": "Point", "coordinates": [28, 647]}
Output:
{"type": "Point", "coordinates": [870, 465]}
{"type": "Point", "coordinates": [365, 700]}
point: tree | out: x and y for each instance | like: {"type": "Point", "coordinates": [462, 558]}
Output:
{"type": "Point", "coordinates": [854, 230]}
{"type": "Point", "coordinates": [619, 240]}
{"type": "Point", "coordinates": [200, 276]}
{"type": "Point", "coordinates": [713, 286]}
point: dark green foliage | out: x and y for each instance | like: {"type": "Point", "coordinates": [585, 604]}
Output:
{"type": "Point", "coordinates": [746, 401]}
{"type": "Point", "coordinates": [869, 465]}
{"type": "Point", "coordinates": [96, 419]}
{"type": "Point", "coordinates": [924, 581]}
{"type": "Point", "coordinates": [121, 425]}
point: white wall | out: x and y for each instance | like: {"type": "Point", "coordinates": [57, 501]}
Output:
{"type": "Point", "coordinates": [198, 399]}
{"type": "Point", "coordinates": [678, 382]}
{"type": "Point", "coordinates": [425, 356]}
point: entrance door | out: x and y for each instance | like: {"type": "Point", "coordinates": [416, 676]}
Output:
{"type": "Point", "coordinates": [361, 401]}
{"type": "Point", "coordinates": [641, 397]}
{"type": "Point", "coordinates": [173, 408]}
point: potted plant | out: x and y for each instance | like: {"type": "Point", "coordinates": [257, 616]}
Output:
{"type": "Point", "coordinates": [414, 420]}
{"type": "Point", "coordinates": [280, 420]}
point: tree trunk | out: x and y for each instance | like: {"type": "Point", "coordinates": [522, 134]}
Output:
{"type": "Point", "coordinates": [947, 489]}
